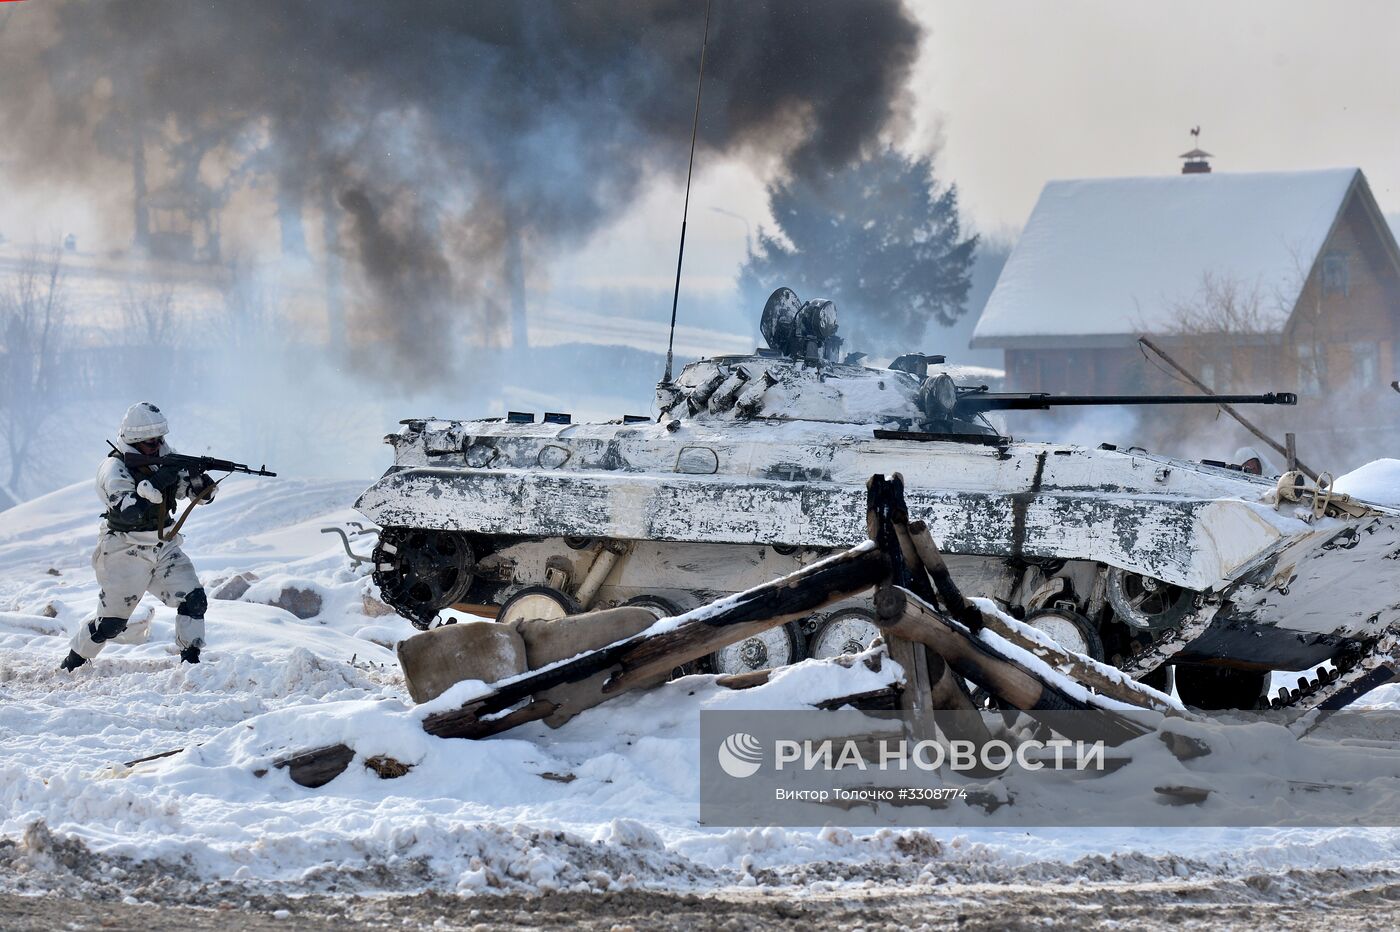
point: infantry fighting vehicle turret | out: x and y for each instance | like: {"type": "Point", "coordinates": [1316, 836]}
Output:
{"type": "Point", "coordinates": [757, 464]}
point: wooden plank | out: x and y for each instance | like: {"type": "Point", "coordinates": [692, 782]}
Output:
{"type": "Point", "coordinates": [640, 659]}
{"type": "Point", "coordinates": [746, 680]}
{"type": "Point", "coordinates": [974, 618]}
{"type": "Point", "coordinates": [733, 619]}
{"type": "Point", "coordinates": [480, 609]}
{"type": "Point", "coordinates": [906, 615]}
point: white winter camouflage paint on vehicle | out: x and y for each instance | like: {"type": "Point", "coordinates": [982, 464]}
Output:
{"type": "Point", "coordinates": [757, 464]}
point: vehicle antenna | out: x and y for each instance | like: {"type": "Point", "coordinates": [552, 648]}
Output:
{"type": "Point", "coordinates": [685, 211]}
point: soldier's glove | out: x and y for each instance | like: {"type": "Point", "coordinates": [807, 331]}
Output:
{"type": "Point", "coordinates": [166, 477]}
{"type": "Point", "coordinates": [203, 484]}
{"type": "Point", "coordinates": [149, 492]}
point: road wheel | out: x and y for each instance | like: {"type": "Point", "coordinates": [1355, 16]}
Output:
{"type": "Point", "coordinates": [1147, 604]}
{"type": "Point", "coordinates": [776, 647]}
{"type": "Point", "coordinates": [542, 602]}
{"type": "Point", "coordinates": [664, 608]}
{"type": "Point", "coordinates": [1069, 629]}
{"type": "Point", "coordinates": [847, 631]}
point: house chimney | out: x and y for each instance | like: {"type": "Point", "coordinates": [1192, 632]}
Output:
{"type": "Point", "coordinates": [1195, 163]}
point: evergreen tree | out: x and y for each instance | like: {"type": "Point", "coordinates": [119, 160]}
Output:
{"type": "Point", "coordinates": [880, 237]}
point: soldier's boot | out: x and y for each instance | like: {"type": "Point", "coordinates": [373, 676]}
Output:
{"type": "Point", "coordinates": [189, 625]}
{"type": "Point", "coordinates": [73, 661]}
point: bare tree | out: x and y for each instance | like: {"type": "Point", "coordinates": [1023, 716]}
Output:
{"type": "Point", "coordinates": [148, 315]}
{"type": "Point", "coordinates": [150, 337]}
{"type": "Point", "coordinates": [1239, 336]}
{"type": "Point", "coordinates": [1212, 325]}
{"type": "Point", "coordinates": [247, 320]}
{"type": "Point", "coordinates": [32, 331]}
{"type": "Point", "coordinates": [1221, 306]}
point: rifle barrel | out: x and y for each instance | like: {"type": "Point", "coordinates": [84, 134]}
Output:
{"type": "Point", "coordinates": [187, 461]}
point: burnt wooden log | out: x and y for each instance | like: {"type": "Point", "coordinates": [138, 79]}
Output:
{"type": "Point", "coordinates": [705, 630]}
{"type": "Point", "coordinates": [946, 689]}
{"type": "Point", "coordinates": [874, 700]}
{"type": "Point", "coordinates": [445, 725]}
{"type": "Point", "coordinates": [1081, 669]}
{"type": "Point", "coordinates": [932, 560]}
{"type": "Point", "coordinates": [886, 519]}
{"type": "Point", "coordinates": [911, 657]}
{"type": "Point", "coordinates": [905, 615]}
{"type": "Point", "coordinates": [317, 767]}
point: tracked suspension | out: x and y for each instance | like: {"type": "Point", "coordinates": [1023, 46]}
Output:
{"type": "Point", "coordinates": [1353, 674]}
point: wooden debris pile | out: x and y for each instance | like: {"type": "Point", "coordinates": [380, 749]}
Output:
{"type": "Point", "coordinates": [938, 637]}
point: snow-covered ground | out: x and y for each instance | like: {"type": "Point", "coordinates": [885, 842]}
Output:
{"type": "Point", "coordinates": [608, 801]}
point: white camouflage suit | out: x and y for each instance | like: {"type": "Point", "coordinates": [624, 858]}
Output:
{"type": "Point", "coordinates": [129, 564]}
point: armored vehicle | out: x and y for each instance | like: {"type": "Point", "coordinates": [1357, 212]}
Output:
{"type": "Point", "coordinates": [757, 464]}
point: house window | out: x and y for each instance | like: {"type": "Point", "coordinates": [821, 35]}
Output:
{"type": "Point", "coordinates": [1334, 274]}
{"type": "Point", "coordinates": [1312, 368]}
{"type": "Point", "coordinates": [1365, 364]}
{"type": "Point", "coordinates": [1218, 372]}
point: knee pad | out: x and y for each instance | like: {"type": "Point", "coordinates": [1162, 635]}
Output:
{"type": "Point", "coordinates": [194, 604]}
{"type": "Point", "coordinates": [104, 629]}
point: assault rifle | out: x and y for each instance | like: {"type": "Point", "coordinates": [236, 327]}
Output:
{"type": "Point", "coordinates": [173, 465]}
{"type": "Point", "coordinates": [192, 465]}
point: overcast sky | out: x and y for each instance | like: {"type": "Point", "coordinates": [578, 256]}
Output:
{"type": "Point", "coordinates": [1010, 94]}
{"type": "Point", "coordinates": [1013, 94]}
{"type": "Point", "coordinates": [1022, 92]}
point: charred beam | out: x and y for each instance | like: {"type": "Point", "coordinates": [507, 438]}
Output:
{"type": "Point", "coordinates": [905, 615]}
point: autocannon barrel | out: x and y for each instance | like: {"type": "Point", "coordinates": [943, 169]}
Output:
{"type": "Point", "coordinates": [1044, 401]}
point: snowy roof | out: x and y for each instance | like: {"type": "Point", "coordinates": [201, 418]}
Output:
{"type": "Point", "coordinates": [1111, 257]}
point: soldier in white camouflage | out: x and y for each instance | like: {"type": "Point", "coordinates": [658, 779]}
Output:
{"type": "Point", "coordinates": [133, 556]}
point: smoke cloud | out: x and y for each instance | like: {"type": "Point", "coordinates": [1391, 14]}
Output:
{"type": "Point", "coordinates": [432, 138]}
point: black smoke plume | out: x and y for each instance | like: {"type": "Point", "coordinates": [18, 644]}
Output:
{"type": "Point", "coordinates": [432, 132]}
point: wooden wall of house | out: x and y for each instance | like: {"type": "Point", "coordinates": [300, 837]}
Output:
{"type": "Point", "coordinates": [1079, 371]}
{"type": "Point", "coordinates": [1356, 323]}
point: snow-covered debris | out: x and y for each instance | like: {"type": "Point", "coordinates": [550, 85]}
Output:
{"type": "Point", "coordinates": [1377, 481]}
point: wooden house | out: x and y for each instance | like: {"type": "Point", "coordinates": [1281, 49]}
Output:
{"type": "Point", "coordinates": [1258, 281]}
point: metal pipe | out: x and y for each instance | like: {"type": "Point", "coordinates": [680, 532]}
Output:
{"type": "Point", "coordinates": [598, 572]}
{"type": "Point", "coordinates": [355, 558]}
